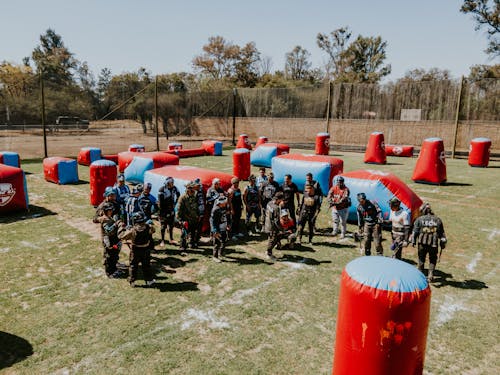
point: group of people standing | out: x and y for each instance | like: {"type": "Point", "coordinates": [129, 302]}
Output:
{"type": "Point", "coordinates": [278, 210]}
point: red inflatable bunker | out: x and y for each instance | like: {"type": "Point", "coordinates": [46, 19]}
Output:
{"type": "Point", "coordinates": [244, 142]}
{"type": "Point", "coordinates": [322, 144]}
{"type": "Point", "coordinates": [113, 158]}
{"type": "Point", "coordinates": [398, 150]}
{"type": "Point", "coordinates": [60, 170]}
{"type": "Point", "coordinates": [136, 148]}
{"type": "Point", "coordinates": [88, 155]}
{"type": "Point", "coordinates": [213, 148]}
{"type": "Point", "coordinates": [187, 152]}
{"type": "Point", "coordinates": [431, 163]}
{"type": "Point", "coordinates": [172, 146]}
{"type": "Point", "coordinates": [382, 318]}
{"type": "Point", "coordinates": [479, 152]}
{"type": "Point", "coordinates": [241, 163]}
{"type": "Point", "coordinates": [10, 158]}
{"type": "Point", "coordinates": [182, 174]}
{"type": "Point", "coordinates": [102, 174]}
{"type": "Point", "coordinates": [13, 190]}
{"type": "Point", "coordinates": [159, 158]}
{"type": "Point", "coordinates": [261, 141]}
{"type": "Point", "coordinates": [375, 151]}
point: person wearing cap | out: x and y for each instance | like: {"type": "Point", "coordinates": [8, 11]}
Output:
{"type": "Point", "coordinates": [290, 193]}
{"type": "Point", "coordinates": [428, 234]}
{"type": "Point", "coordinates": [200, 198]}
{"type": "Point", "coordinates": [308, 210]}
{"type": "Point", "coordinates": [400, 227]}
{"type": "Point", "coordinates": [287, 233]}
{"type": "Point", "coordinates": [148, 202]}
{"type": "Point", "coordinates": [109, 198]}
{"type": "Point", "coordinates": [168, 195]}
{"type": "Point", "coordinates": [261, 177]}
{"type": "Point", "coordinates": [370, 224]}
{"type": "Point", "coordinates": [267, 189]}
{"type": "Point", "coordinates": [140, 234]}
{"type": "Point", "coordinates": [187, 216]}
{"type": "Point", "coordinates": [339, 201]}
{"type": "Point", "coordinates": [132, 204]}
{"type": "Point", "coordinates": [122, 192]}
{"type": "Point", "coordinates": [236, 207]}
{"type": "Point", "coordinates": [272, 224]}
{"type": "Point", "coordinates": [252, 205]}
{"type": "Point", "coordinates": [317, 192]}
{"type": "Point", "coordinates": [110, 241]}
{"type": "Point", "coordinates": [220, 224]}
{"type": "Point", "coordinates": [213, 193]}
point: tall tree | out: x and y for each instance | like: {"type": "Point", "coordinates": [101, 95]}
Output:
{"type": "Point", "coordinates": [218, 58]}
{"type": "Point", "coordinates": [297, 64]}
{"type": "Point", "coordinates": [486, 14]}
{"type": "Point", "coordinates": [246, 66]}
{"type": "Point", "coordinates": [53, 58]}
{"type": "Point", "coordinates": [422, 75]}
{"type": "Point", "coordinates": [335, 45]}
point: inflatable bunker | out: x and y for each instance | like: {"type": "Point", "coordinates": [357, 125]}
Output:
{"type": "Point", "coordinates": [244, 142]}
{"type": "Point", "coordinates": [102, 174]}
{"type": "Point", "coordinates": [60, 170]}
{"type": "Point", "coordinates": [88, 155]}
{"type": "Point", "coordinates": [134, 172]}
{"type": "Point", "coordinates": [159, 158]}
{"type": "Point", "coordinates": [375, 150]}
{"type": "Point", "coordinates": [113, 158]}
{"type": "Point", "coordinates": [187, 152]}
{"type": "Point", "coordinates": [135, 147]}
{"type": "Point", "coordinates": [479, 152]}
{"type": "Point", "coordinates": [172, 146]}
{"type": "Point", "coordinates": [380, 187]}
{"type": "Point", "coordinates": [399, 150]}
{"type": "Point", "coordinates": [241, 163]}
{"type": "Point", "coordinates": [213, 148]}
{"type": "Point", "coordinates": [263, 155]}
{"type": "Point", "coordinates": [322, 144]}
{"type": "Point", "coordinates": [182, 174]}
{"type": "Point", "coordinates": [13, 189]}
{"type": "Point", "coordinates": [382, 318]}
{"type": "Point", "coordinates": [10, 158]}
{"type": "Point", "coordinates": [431, 163]}
{"type": "Point", "coordinates": [322, 167]}
{"type": "Point", "coordinates": [261, 141]}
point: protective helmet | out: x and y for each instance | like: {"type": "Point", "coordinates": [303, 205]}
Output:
{"type": "Point", "coordinates": [169, 180]}
{"type": "Point", "coordinates": [251, 177]}
{"type": "Point", "coordinates": [197, 181]}
{"type": "Point", "coordinates": [215, 181]}
{"type": "Point", "coordinates": [426, 208]}
{"type": "Point", "coordinates": [190, 185]}
{"type": "Point", "coordinates": [148, 186]}
{"type": "Point", "coordinates": [139, 187]}
{"type": "Point", "coordinates": [394, 201]}
{"type": "Point", "coordinates": [121, 177]}
{"type": "Point", "coordinates": [361, 196]}
{"type": "Point", "coordinates": [138, 217]}
{"type": "Point", "coordinates": [107, 207]}
{"type": "Point", "coordinates": [340, 179]}
{"type": "Point", "coordinates": [235, 180]}
{"type": "Point", "coordinates": [109, 191]}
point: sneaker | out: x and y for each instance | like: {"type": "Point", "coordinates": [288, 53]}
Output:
{"type": "Point", "coordinates": [272, 258]}
{"type": "Point", "coordinates": [162, 244]}
{"type": "Point", "coordinates": [150, 282]}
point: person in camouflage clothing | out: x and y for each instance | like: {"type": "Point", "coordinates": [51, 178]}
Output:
{"type": "Point", "coordinates": [110, 241]}
{"type": "Point", "coordinates": [187, 216]}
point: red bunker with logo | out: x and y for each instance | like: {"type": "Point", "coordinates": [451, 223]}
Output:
{"type": "Point", "coordinates": [375, 151]}
{"type": "Point", "coordinates": [244, 142]}
{"type": "Point", "coordinates": [322, 144]}
{"type": "Point", "coordinates": [13, 190]}
{"type": "Point", "coordinates": [431, 163]}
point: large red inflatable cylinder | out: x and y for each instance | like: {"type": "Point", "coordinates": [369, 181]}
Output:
{"type": "Point", "coordinates": [375, 150]}
{"type": "Point", "coordinates": [479, 152]}
{"type": "Point", "coordinates": [382, 318]}
{"type": "Point", "coordinates": [399, 150]}
{"type": "Point", "coordinates": [174, 146]}
{"type": "Point", "coordinates": [102, 174]}
{"type": "Point", "coordinates": [241, 163]}
{"type": "Point", "coordinates": [322, 144]}
{"type": "Point", "coordinates": [136, 148]}
{"type": "Point", "coordinates": [261, 141]}
{"type": "Point", "coordinates": [431, 163]}
{"type": "Point", "coordinates": [13, 190]}
{"type": "Point", "coordinates": [244, 142]}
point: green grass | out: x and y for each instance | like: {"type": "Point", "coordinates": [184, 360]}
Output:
{"type": "Point", "coordinates": [244, 316]}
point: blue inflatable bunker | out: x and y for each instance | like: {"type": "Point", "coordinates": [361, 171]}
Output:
{"type": "Point", "coordinates": [322, 167]}
{"type": "Point", "coordinates": [9, 158]}
{"type": "Point", "coordinates": [134, 173]}
{"type": "Point", "coordinates": [380, 187]}
{"type": "Point", "coordinates": [263, 154]}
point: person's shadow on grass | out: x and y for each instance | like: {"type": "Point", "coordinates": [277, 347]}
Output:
{"type": "Point", "coordinates": [13, 349]}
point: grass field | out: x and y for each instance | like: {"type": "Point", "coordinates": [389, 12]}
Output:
{"type": "Point", "coordinates": [242, 316]}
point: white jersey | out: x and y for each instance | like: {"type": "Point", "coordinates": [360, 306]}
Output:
{"type": "Point", "coordinates": [399, 219]}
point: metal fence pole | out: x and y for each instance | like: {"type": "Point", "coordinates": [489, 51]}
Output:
{"type": "Point", "coordinates": [234, 116]}
{"type": "Point", "coordinates": [156, 114]}
{"type": "Point", "coordinates": [42, 103]}
{"type": "Point", "coordinates": [329, 106]}
{"type": "Point", "coordinates": [455, 131]}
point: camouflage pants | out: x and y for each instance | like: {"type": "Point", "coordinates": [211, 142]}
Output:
{"type": "Point", "coordinates": [372, 232]}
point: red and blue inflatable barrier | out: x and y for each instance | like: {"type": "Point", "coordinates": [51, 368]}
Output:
{"type": "Point", "coordinates": [88, 155]}
{"type": "Point", "coordinates": [159, 158]}
{"type": "Point", "coordinates": [60, 170]}
{"type": "Point", "coordinates": [135, 147]}
{"type": "Point", "coordinates": [213, 148]}
{"type": "Point", "coordinates": [102, 174]}
{"type": "Point", "coordinates": [431, 163]}
{"type": "Point", "coordinates": [135, 171]}
{"type": "Point", "coordinates": [382, 318]}
{"type": "Point", "coordinates": [13, 189]}
{"type": "Point", "coordinates": [380, 187]}
{"type": "Point", "coordinates": [322, 167]}
{"type": "Point", "coordinates": [263, 155]}
{"type": "Point", "coordinates": [479, 152]}
{"type": "Point", "coordinates": [10, 158]}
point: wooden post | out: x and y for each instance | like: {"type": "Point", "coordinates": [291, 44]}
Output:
{"type": "Point", "coordinates": [156, 114]}
{"type": "Point", "coordinates": [42, 103]}
{"type": "Point", "coordinates": [329, 107]}
{"type": "Point", "coordinates": [234, 116]}
{"type": "Point", "coordinates": [455, 131]}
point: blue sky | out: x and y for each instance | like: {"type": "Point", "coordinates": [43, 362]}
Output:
{"type": "Point", "coordinates": [164, 36]}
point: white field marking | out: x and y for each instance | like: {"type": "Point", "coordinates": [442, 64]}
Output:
{"type": "Point", "coordinates": [52, 239]}
{"type": "Point", "coordinates": [35, 288]}
{"type": "Point", "coordinates": [208, 316]}
{"type": "Point", "coordinates": [472, 265]}
{"type": "Point", "coordinates": [295, 266]}
{"type": "Point", "coordinates": [4, 250]}
{"type": "Point", "coordinates": [448, 308]}
{"type": "Point", "coordinates": [493, 233]}
{"type": "Point", "coordinates": [205, 288]}
{"type": "Point", "coordinates": [25, 305]}
{"type": "Point", "coordinates": [41, 270]}
{"type": "Point", "coordinates": [94, 272]}
{"type": "Point", "coordinates": [28, 244]}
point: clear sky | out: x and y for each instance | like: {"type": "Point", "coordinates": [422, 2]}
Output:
{"type": "Point", "coordinates": [164, 36]}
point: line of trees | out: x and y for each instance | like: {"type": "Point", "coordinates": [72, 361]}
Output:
{"type": "Point", "coordinates": [71, 88]}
